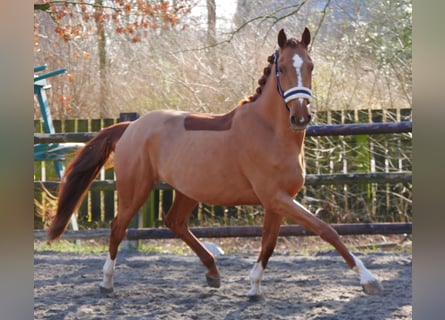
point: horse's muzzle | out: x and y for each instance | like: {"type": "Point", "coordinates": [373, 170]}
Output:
{"type": "Point", "coordinates": [299, 123]}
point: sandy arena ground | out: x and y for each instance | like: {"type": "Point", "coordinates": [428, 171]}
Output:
{"type": "Point", "coordinates": [173, 286]}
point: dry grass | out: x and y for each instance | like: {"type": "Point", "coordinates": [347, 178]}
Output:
{"type": "Point", "coordinates": [293, 245]}
{"type": "Point", "coordinates": [285, 245]}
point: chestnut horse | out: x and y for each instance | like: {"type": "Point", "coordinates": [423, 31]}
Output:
{"type": "Point", "coordinates": [250, 155]}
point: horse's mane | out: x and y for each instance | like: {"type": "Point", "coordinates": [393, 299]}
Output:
{"type": "Point", "coordinates": [266, 72]}
{"type": "Point", "coordinates": [262, 81]}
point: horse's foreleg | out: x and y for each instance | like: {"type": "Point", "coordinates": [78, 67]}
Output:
{"type": "Point", "coordinates": [177, 220]}
{"type": "Point", "coordinates": [271, 229]}
{"type": "Point", "coordinates": [296, 212]}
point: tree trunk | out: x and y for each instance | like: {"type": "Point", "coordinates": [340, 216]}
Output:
{"type": "Point", "coordinates": [211, 22]}
{"type": "Point", "coordinates": [101, 46]}
{"type": "Point", "coordinates": [244, 10]}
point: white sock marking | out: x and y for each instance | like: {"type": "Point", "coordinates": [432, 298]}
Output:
{"type": "Point", "coordinates": [364, 274]}
{"type": "Point", "coordinates": [108, 270]}
{"type": "Point", "coordinates": [256, 274]}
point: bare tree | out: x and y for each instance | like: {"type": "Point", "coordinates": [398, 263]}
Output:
{"type": "Point", "coordinates": [102, 52]}
{"type": "Point", "coordinates": [362, 56]}
{"type": "Point", "coordinates": [76, 21]}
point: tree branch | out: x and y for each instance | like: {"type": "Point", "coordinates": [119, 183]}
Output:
{"type": "Point", "coordinates": [46, 6]}
{"type": "Point", "coordinates": [273, 16]}
{"type": "Point", "coordinates": [42, 7]}
{"type": "Point", "coordinates": [323, 16]}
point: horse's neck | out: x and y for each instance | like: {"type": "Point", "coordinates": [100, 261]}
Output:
{"type": "Point", "coordinates": [271, 108]}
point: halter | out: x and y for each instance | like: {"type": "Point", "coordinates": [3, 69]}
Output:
{"type": "Point", "coordinates": [292, 93]}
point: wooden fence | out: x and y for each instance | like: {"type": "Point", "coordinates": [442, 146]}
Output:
{"type": "Point", "coordinates": [359, 178]}
{"type": "Point", "coordinates": [233, 231]}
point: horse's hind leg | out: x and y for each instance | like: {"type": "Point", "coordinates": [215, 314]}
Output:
{"type": "Point", "coordinates": [177, 220]}
{"type": "Point", "coordinates": [271, 229]}
{"type": "Point", "coordinates": [131, 197]}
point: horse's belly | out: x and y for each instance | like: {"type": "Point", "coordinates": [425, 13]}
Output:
{"type": "Point", "coordinates": [233, 197]}
{"type": "Point", "coordinates": [213, 187]}
{"type": "Point", "coordinates": [226, 200]}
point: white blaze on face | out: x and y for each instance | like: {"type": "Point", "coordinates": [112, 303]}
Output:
{"type": "Point", "coordinates": [298, 63]}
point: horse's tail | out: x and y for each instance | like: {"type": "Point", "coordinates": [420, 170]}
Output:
{"type": "Point", "coordinates": [81, 172]}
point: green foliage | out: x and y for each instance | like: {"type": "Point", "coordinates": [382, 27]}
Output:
{"type": "Point", "coordinates": [362, 153]}
{"type": "Point", "coordinates": [85, 246]}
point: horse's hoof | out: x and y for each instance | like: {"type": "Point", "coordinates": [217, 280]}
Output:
{"type": "Point", "coordinates": [256, 297]}
{"type": "Point", "coordinates": [106, 290]}
{"type": "Point", "coordinates": [214, 282]}
{"type": "Point", "coordinates": [373, 288]}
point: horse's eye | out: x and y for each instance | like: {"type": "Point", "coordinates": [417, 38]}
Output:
{"type": "Point", "coordinates": [280, 70]}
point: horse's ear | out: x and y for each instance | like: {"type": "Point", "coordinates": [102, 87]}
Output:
{"type": "Point", "coordinates": [306, 37]}
{"type": "Point", "coordinates": [282, 38]}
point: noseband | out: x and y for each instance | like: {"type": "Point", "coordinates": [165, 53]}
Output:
{"type": "Point", "coordinates": [292, 93]}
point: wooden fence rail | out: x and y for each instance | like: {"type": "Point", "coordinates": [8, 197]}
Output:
{"type": "Point", "coordinates": [311, 131]}
{"type": "Point", "coordinates": [233, 231]}
{"type": "Point", "coordinates": [358, 129]}
{"type": "Point", "coordinates": [311, 180]}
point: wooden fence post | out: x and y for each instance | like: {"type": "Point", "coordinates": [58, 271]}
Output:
{"type": "Point", "coordinates": [109, 207]}
{"type": "Point", "coordinates": [84, 212]}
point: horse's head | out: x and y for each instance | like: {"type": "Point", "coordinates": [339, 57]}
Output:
{"type": "Point", "coordinates": [293, 68]}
